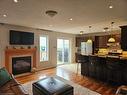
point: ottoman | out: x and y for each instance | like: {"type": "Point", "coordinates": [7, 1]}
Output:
{"type": "Point", "coordinates": [51, 86]}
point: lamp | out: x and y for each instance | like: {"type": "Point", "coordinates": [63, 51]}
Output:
{"type": "Point", "coordinates": [89, 40]}
{"type": "Point", "coordinates": [81, 32]}
{"type": "Point", "coordinates": [111, 39]}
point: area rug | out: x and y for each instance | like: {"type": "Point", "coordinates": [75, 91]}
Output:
{"type": "Point", "coordinates": [78, 90]}
{"type": "Point", "coordinates": [71, 67]}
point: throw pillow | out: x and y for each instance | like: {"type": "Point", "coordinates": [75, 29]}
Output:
{"type": "Point", "coordinates": [4, 76]}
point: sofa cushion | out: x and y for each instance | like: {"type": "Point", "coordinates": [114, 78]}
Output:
{"type": "Point", "coordinates": [4, 76]}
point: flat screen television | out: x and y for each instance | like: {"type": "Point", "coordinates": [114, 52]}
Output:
{"type": "Point", "coordinates": [21, 38]}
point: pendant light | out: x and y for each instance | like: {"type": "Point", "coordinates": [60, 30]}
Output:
{"type": "Point", "coordinates": [89, 40]}
{"type": "Point", "coordinates": [81, 32]}
{"type": "Point", "coordinates": [111, 39]}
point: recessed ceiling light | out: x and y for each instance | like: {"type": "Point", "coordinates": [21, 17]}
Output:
{"type": "Point", "coordinates": [71, 19]}
{"type": "Point", "coordinates": [4, 15]}
{"type": "Point", "coordinates": [110, 6]}
{"type": "Point", "coordinates": [16, 1]}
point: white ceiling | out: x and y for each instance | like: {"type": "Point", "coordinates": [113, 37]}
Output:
{"type": "Point", "coordinates": [84, 13]}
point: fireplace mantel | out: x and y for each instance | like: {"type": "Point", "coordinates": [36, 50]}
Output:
{"type": "Point", "coordinates": [19, 52]}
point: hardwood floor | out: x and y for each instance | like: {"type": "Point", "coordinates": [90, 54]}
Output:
{"type": "Point", "coordinates": [90, 83]}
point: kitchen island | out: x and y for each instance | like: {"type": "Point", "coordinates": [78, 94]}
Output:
{"type": "Point", "coordinates": [107, 68]}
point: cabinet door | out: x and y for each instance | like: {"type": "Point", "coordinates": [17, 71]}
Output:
{"type": "Point", "coordinates": [83, 39]}
{"type": "Point", "coordinates": [92, 72]}
{"type": "Point", "coordinates": [123, 40]}
{"type": "Point", "coordinates": [125, 73]}
{"type": "Point", "coordinates": [84, 69]}
{"type": "Point", "coordinates": [78, 41]}
{"type": "Point", "coordinates": [92, 66]}
{"type": "Point", "coordinates": [118, 38]}
{"type": "Point", "coordinates": [123, 37]}
{"type": "Point", "coordinates": [103, 41]}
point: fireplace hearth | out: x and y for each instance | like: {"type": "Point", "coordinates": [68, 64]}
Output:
{"type": "Point", "coordinates": [21, 65]}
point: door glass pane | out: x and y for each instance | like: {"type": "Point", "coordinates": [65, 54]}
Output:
{"type": "Point", "coordinates": [66, 50]}
{"type": "Point", "coordinates": [43, 48]}
{"type": "Point", "coordinates": [59, 50]}
{"type": "Point", "coordinates": [62, 51]}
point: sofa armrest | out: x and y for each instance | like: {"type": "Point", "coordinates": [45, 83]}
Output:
{"type": "Point", "coordinates": [18, 88]}
{"type": "Point", "coordinates": [14, 78]}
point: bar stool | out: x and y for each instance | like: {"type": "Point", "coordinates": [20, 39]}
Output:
{"type": "Point", "coordinates": [79, 61]}
{"type": "Point", "coordinates": [78, 64]}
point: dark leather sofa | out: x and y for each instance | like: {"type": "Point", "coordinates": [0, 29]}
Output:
{"type": "Point", "coordinates": [12, 87]}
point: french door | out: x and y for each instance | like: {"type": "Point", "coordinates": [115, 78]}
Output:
{"type": "Point", "coordinates": [63, 51]}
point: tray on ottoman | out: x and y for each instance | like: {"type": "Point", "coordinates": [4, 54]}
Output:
{"type": "Point", "coordinates": [51, 86]}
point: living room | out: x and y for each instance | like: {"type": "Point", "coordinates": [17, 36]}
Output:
{"type": "Point", "coordinates": [56, 44]}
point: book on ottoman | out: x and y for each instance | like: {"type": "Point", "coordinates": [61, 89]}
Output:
{"type": "Point", "coordinates": [51, 86]}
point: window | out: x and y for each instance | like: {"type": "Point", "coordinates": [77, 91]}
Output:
{"type": "Point", "coordinates": [43, 48]}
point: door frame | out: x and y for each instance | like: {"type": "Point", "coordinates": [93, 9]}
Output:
{"type": "Point", "coordinates": [65, 38]}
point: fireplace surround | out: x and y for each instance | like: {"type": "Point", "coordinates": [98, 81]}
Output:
{"type": "Point", "coordinates": [12, 53]}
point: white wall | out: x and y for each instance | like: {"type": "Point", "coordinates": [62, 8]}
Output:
{"type": "Point", "coordinates": [4, 41]}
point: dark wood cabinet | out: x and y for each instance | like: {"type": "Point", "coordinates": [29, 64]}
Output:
{"type": "Point", "coordinates": [117, 38]}
{"type": "Point", "coordinates": [79, 40]}
{"type": "Point", "coordinates": [125, 73]}
{"type": "Point", "coordinates": [103, 68]}
{"type": "Point", "coordinates": [84, 66]}
{"type": "Point", "coordinates": [83, 39]}
{"type": "Point", "coordinates": [123, 37]}
{"type": "Point", "coordinates": [98, 41]}
{"type": "Point", "coordinates": [92, 66]}
{"type": "Point", "coordinates": [112, 70]}
{"type": "Point", "coordinates": [103, 41]}
{"type": "Point", "coordinates": [92, 69]}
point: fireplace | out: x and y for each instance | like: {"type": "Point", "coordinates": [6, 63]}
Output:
{"type": "Point", "coordinates": [21, 65]}
{"type": "Point", "coordinates": [11, 53]}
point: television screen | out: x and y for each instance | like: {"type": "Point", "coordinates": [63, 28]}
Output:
{"type": "Point", "coordinates": [21, 38]}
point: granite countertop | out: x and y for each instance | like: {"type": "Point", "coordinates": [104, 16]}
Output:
{"type": "Point", "coordinates": [111, 56]}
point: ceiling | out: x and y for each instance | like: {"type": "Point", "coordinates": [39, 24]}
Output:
{"type": "Point", "coordinates": [84, 13]}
